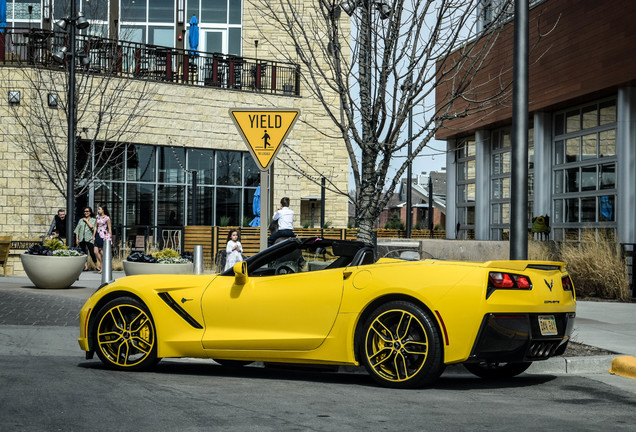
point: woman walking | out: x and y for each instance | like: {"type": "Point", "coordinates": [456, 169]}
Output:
{"type": "Point", "coordinates": [102, 232]}
{"type": "Point", "coordinates": [84, 234]}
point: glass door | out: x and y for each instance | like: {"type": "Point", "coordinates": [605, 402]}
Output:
{"type": "Point", "coordinates": [213, 41]}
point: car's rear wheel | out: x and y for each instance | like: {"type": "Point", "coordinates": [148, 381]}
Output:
{"type": "Point", "coordinates": [125, 335]}
{"type": "Point", "coordinates": [494, 370]}
{"type": "Point", "coordinates": [401, 347]}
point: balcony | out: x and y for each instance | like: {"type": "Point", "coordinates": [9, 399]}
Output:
{"type": "Point", "coordinates": [33, 48]}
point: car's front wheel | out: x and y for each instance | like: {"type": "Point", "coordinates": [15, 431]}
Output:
{"type": "Point", "coordinates": [493, 370]}
{"type": "Point", "coordinates": [401, 347]}
{"type": "Point", "coordinates": [125, 335]}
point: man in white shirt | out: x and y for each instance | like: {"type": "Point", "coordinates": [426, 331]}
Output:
{"type": "Point", "coordinates": [285, 217]}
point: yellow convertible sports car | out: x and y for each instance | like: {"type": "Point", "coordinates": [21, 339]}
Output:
{"type": "Point", "coordinates": [329, 302]}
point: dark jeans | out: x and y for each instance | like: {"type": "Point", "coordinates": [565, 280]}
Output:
{"type": "Point", "coordinates": [280, 233]}
{"type": "Point", "coordinates": [87, 247]}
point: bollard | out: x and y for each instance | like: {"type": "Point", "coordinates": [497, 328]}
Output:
{"type": "Point", "coordinates": [197, 259]}
{"type": "Point", "coordinates": [107, 273]}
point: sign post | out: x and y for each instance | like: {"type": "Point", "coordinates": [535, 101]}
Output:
{"type": "Point", "coordinates": [264, 131]}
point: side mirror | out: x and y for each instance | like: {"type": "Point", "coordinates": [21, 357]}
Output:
{"type": "Point", "coordinates": [240, 272]}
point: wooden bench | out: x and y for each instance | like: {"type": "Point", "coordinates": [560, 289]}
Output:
{"type": "Point", "coordinates": [5, 247]}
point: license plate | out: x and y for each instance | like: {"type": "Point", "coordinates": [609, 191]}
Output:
{"type": "Point", "coordinates": [547, 325]}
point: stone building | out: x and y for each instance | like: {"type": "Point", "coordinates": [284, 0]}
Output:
{"type": "Point", "coordinates": [184, 126]}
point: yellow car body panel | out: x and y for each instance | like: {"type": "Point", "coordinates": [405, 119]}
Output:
{"type": "Point", "coordinates": [290, 312]}
{"type": "Point", "coordinates": [315, 316]}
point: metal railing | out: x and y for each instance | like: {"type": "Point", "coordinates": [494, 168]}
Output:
{"type": "Point", "coordinates": [34, 47]}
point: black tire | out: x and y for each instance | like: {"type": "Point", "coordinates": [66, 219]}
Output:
{"type": "Point", "coordinates": [400, 346]}
{"type": "Point", "coordinates": [233, 363]}
{"type": "Point", "coordinates": [497, 370]}
{"type": "Point", "coordinates": [125, 335]}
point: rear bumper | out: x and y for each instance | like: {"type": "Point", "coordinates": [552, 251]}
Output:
{"type": "Point", "coordinates": [517, 338]}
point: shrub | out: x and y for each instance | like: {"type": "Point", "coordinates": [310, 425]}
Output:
{"type": "Point", "coordinates": [169, 256]}
{"type": "Point", "coordinates": [543, 251]}
{"type": "Point", "coordinates": [66, 252]}
{"type": "Point", "coordinates": [166, 253]}
{"type": "Point", "coordinates": [394, 223]}
{"type": "Point", "coordinates": [596, 267]}
{"type": "Point", "coordinates": [55, 244]}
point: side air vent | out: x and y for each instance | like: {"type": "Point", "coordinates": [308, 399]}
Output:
{"type": "Point", "coordinates": [179, 310]}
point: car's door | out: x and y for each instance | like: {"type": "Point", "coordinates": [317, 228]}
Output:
{"type": "Point", "coordinates": [278, 312]}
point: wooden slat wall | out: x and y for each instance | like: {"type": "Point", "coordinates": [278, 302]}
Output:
{"type": "Point", "coordinates": [250, 239]}
{"type": "Point", "coordinates": [214, 239]}
{"type": "Point", "coordinates": [200, 235]}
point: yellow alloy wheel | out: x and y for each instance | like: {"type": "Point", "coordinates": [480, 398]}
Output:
{"type": "Point", "coordinates": [401, 346]}
{"type": "Point", "coordinates": [125, 335]}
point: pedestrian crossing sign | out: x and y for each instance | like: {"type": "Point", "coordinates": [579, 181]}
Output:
{"type": "Point", "coordinates": [264, 131]}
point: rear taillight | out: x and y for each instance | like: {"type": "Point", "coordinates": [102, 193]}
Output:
{"type": "Point", "coordinates": [567, 283]}
{"type": "Point", "coordinates": [509, 280]}
{"type": "Point", "coordinates": [501, 280]}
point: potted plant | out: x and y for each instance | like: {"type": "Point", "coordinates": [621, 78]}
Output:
{"type": "Point", "coordinates": [52, 265]}
{"type": "Point", "coordinates": [167, 261]}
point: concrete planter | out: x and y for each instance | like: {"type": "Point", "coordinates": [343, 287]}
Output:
{"type": "Point", "coordinates": [52, 272]}
{"type": "Point", "coordinates": [139, 268]}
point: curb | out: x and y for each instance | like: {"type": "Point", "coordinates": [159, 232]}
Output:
{"type": "Point", "coordinates": [555, 365]}
{"type": "Point", "coordinates": [624, 366]}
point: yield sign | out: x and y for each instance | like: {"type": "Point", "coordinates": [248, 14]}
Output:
{"type": "Point", "coordinates": [264, 131]}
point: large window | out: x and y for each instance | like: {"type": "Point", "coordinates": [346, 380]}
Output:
{"type": "Point", "coordinates": [584, 170]}
{"type": "Point", "coordinates": [95, 11]}
{"type": "Point", "coordinates": [466, 170]}
{"type": "Point", "coordinates": [148, 21]}
{"type": "Point", "coordinates": [219, 24]}
{"type": "Point", "coordinates": [501, 153]}
{"type": "Point", "coordinates": [24, 13]}
{"type": "Point", "coordinates": [148, 188]}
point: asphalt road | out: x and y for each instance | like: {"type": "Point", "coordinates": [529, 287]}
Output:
{"type": "Point", "coordinates": [64, 393]}
{"type": "Point", "coordinates": [47, 385]}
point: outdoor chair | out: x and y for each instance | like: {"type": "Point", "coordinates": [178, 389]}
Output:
{"type": "Point", "coordinates": [5, 247]}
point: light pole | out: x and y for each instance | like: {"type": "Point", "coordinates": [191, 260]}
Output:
{"type": "Point", "coordinates": [409, 177]}
{"type": "Point", "coordinates": [76, 21]}
{"type": "Point", "coordinates": [407, 87]}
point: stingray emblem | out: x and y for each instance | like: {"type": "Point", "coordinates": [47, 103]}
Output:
{"type": "Point", "coordinates": [183, 300]}
{"type": "Point", "coordinates": [550, 285]}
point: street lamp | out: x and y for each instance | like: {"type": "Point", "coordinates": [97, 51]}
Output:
{"type": "Point", "coordinates": [76, 21]}
{"type": "Point", "coordinates": [383, 6]}
{"type": "Point", "coordinates": [406, 87]}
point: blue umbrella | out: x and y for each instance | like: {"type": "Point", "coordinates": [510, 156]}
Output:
{"type": "Point", "coordinates": [3, 15]}
{"type": "Point", "coordinates": [193, 37]}
{"type": "Point", "coordinates": [256, 208]}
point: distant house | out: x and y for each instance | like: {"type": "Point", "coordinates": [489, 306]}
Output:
{"type": "Point", "coordinates": [419, 202]}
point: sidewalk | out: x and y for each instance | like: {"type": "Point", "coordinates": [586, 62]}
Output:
{"type": "Point", "coordinates": [607, 325]}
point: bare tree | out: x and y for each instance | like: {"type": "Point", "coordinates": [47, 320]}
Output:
{"type": "Point", "coordinates": [108, 113]}
{"type": "Point", "coordinates": [370, 72]}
